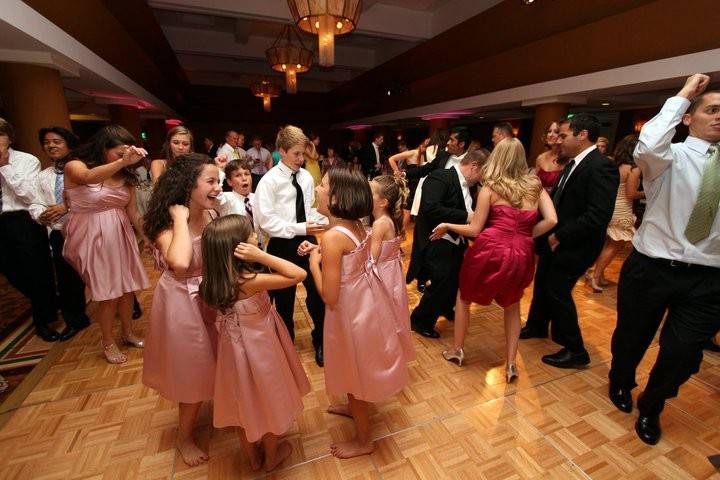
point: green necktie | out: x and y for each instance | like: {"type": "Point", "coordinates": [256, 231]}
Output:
{"type": "Point", "coordinates": [708, 200]}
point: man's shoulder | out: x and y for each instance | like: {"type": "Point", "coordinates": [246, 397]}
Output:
{"type": "Point", "coordinates": [23, 156]}
{"type": "Point", "coordinates": [443, 174]}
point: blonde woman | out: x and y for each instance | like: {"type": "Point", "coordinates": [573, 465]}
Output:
{"type": "Point", "coordinates": [179, 141]}
{"type": "Point", "coordinates": [501, 261]}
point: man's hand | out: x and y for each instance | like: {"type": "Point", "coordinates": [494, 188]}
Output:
{"type": "Point", "coordinates": [694, 86]}
{"type": "Point", "coordinates": [553, 242]}
{"type": "Point", "coordinates": [313, 228]}
{"type": "Point", "coordinates": [52, 214]}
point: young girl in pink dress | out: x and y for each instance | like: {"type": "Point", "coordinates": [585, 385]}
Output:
{"type": "Point", "coordinates": [389, 196]}
{"type": "Point", "coordinates": [99, 239]}
{"type": "Point", "coordinates": [501, 262]}
{"type": "Point", "coordinates": [180, 348]}
{"type": "Point", "coordinates": [364, 356]}
{"type": "Point", "coordinates": [259, 379]}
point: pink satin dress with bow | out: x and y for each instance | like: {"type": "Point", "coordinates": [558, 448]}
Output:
{"type": "Point", "coordinates": [501, 261]}
{"type": "Point", "coordinates": [364, 352]}
{"type": "Point", "coordinates": [259, 381]}
{"type": "Point", "coordinates": [100, 242]}
{"type": "Point", "coordinates": [390, 273]}
{"type": "Point", "coordinates": [179, 358]}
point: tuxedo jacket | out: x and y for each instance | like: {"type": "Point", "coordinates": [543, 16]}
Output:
{"type": "Point", "coordinates": [368, 159]}
{"type": "Point", "coordinates": [584, 209]}
{"type": "Point", "coordinates": [416, 172]}
{"type": "Point", "coordinates": [442, 201]}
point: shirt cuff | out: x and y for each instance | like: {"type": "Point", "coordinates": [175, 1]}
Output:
{"type": "Point", "coordinates": [299, 228]}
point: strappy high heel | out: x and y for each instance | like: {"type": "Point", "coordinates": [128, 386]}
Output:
{"type": "Point", "coordinates": [457, 355]}
{"type": "Point", "coordinates": [133, 341]}
{"type": "Point", "coordinates": [113, 353]}
{"type": "Point", "coordinates": [511, 373]}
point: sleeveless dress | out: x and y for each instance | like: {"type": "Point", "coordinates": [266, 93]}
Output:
{"type": "Point", "coordinates": [622, 223]}
{"type": "Point", "coordinates": [390, 273]}
{"type": "Point", "coordinates": [501, 262]}
{"type": "Point", "coordinates": [363, 350]}
{"type": "Point", "coordinates": [100, 242]}
{"type": "Point", "coordinates": [548, 179]}
{"type": "Point", "coordinates": [260, 381]}
{"type": "Point", "coordinates": [179, 358]}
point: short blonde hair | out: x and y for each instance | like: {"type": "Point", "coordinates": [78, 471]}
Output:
{"type": "Point", "coordinates": [289, 136]}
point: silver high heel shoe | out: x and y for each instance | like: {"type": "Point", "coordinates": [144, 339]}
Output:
{"type": "Point", "coordinates": [133, 341]}
{"type": "Point", "coordinates": [511, 373]}
{"type": "Point", "coordinates": [457, 355]}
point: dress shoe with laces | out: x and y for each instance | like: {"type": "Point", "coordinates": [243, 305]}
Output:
{"type": "Point", "coordinates": [319, 359]}
{"type": "Point", "coordinates": [526, 333]}
{"type": "Point", "coordinates": [648, 429]}
{"type": "Point", "coordinates": [47, 334]}
{"type": "Point", "coordinates": [567, 359]}
{"type": "Point", "coordinates": [621, 398]}
{"type": "Point", "coordinates": [429, 333]}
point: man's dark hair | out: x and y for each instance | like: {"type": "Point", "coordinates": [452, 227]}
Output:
{"type": "Point", "coordinates": [697, 101]}
{"type": "Point", "coordinates": [584, 121]}
{"type": "Point", "coordinates": [463, 135]}
{"type": "Point", "coordinates": [70, 138]}
{"type": "Point", "coordinates": [377, 135]}
{"type": "Point", "coordinates": [506, 128]}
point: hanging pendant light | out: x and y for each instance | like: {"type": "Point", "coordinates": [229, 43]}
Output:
{"type": "Point", "coordinates": [288, 57]}
{"type": "Point", "coordinates": [326, 18]}
{"type": "Point", "coordinates": [266, 90]}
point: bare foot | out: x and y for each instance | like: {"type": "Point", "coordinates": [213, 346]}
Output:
{"type": "Point", "coordinates": [191, 454]}
{"type": "Point", "coordinates": [256, 460]}
{"type": "Point", "coordinates": [283, 452]}
{"type": "Point", "coordinates": [350, 449]}
{"type": "Point", "coordinates": [343, 410]}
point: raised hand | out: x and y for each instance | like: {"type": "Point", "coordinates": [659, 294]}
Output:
{"type": "Point", "coordinates": [694, 86]}
{"type": "Point", "coordinates": [133, 155]}
{"type": "Point", "coordinates": [221, 161]}
{"type": "Point", "coordinates": [248, 253]}
{"type": "Point", "coordinates": [179, 213]}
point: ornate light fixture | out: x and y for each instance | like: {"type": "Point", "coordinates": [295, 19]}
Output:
{"type": "Point", "coordinates": [326, 18]}
{"type": "Point", "coordinates": [289, 58]}
{"type": "Point", "coordinates": [266, 90]}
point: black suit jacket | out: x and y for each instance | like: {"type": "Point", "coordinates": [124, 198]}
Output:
{"type": "Point", "coordinates": [416, 172]}
{"type": "Point", "coordinates": [584, 209]}
{"type": "Point", "coordinates": [368, 159]}
{"type": "Point", "coordinates": [442, 201]}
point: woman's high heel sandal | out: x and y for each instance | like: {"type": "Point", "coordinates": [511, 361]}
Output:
{"type": "Point", "coordinates": [511, 373]}
{"type": "Point", "coordinates": [457, 355]}
{"type": "Point", "coordinates": [594, 285]}
{"type": "Point", "coordinates": [133, 341]}
{"type": "Point", "coordinates": [113, 353]}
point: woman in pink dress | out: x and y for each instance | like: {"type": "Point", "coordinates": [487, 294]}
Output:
{"type": "Point", "coordinates": [549, 165]}
{"type": "Point", "coordinates": [501, 262]}
{"type": "Point", "coordinates": [364, 355]}
{"type": "Point", "coordinates": [389, 196]}
{"type": "Point", "coordinates": [260, 381]}
{"type": "Point", "coordinates": [180, 347]}
{"type": "Point", "coordinates": [99, 240]}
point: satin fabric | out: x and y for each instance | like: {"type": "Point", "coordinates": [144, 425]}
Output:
{"type": "Point", "coordinates": [260, 381]}
{"type": "Point", "coordinates": [100, 243]}
{"type": "Point", "coordinates": [548, 179]}
{"type": "Point", "coordinates": [390, 274]}
{"type": "Point", "coordinates": [622, 223]}
{"type": "Point", "coordinates": [501, 262]}
{"type": "Point", "coordinates": [363, 350]}
{"type": "Point", "coordinates": [179, 357]}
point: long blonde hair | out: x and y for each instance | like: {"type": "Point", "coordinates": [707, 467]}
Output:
{"type": "Point", "coordinates": [395, 191]}
{"type": "Point", "coordinates": [506, 173]}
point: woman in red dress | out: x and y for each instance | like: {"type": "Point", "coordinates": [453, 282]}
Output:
{"type": "Point", "coordinates": [549, 165]}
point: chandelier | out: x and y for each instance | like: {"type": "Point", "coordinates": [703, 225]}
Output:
{"type": "Point", "coordinates": [289, 58]}
{"type": "Point", "coordinates": [266, 90]}
{"type": "Point", "coordinates": [326, 18]}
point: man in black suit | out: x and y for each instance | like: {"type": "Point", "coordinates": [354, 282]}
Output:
{"type": "Point", "coordinates": [372, 156]}
{"type": "Point", "coordinates": [584, 199]}
{"type": "Point", "coordinates": [457, 145]}
{"type": "Point", "coordinates": [445, 198]}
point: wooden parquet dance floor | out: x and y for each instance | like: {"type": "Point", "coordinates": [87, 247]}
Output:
{"type": "Point", "coordinates": [90, 420]}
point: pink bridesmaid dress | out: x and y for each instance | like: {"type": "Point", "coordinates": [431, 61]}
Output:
{"type": "Point", "coordinates": [179, 358]}
{"type": "Point", "coordinates": [260, 381]}
{"type": "Point", "coordinates": [100, 242]}
{"type": "Point", "coordinates": [364, 352]}
{"type": "Point", "coordinates": [390, 273]}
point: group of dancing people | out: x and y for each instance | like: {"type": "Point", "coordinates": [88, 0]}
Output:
{"type": "Point", "coordinates": [221, 324]}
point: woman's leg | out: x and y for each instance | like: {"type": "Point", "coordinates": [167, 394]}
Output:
{"type": "Point", "coordinates": [275, 453]}
{"type": "Point", "coordinates": [608, 253]}
{"type": "Point", "coordinates": [512, 331]}
{"type": "Point", "coordinates": [251, 450]}
{"type": "Point", "coordinates": [462, 320]}
{"type": "Point", "coordinates": [361, 444]}
{"type": "Point", "coordinates": [191, 453]}
{"type": "Point", "coordinates": [106, 313]}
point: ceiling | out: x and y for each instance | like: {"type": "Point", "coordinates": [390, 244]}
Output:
{"type": "Point", "coordinates": [223, 42]}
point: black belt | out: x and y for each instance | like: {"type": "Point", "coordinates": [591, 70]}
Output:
{"type": "Point", "coordinates": [677, 263]}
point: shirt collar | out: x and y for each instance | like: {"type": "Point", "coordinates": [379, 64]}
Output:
{"type": "Point", "coordinates": [239, 195]}
{"type": "Point", "coordinates": [461, 177]}
{"type": "Point", "coordinates": [460, 157]}
{"type": "Point", "coordinates": [580, 156]}
{"type": "Point", "coordinates": [697, 144]}
{"type": "Point", "coordinates": [285, 169]}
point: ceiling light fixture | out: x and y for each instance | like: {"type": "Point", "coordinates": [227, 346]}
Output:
{"type": "Point", "coordinates": [605, 104]}
{"type": "Point", "coordinates": [289, 57]}
{"type": "Point", "coordinates": [266, 90]}
{"type": "Point", "coordinates": [326, 18]}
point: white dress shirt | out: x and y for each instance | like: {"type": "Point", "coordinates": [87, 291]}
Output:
{"type": "Point", "coordinates": [579, 158]}
{"type": "Point", "coordinates": [18, 181]}
{"type": "Point", "coordinates": [46, 196]}
{"type": "Point", "coordinates": [230, 152]}
{"type": "Point", "coordinates": [672, 174]}
{"type": "Point", "coordinates": [454, 160]}
{"type": "Point", "coordinates": [233, 203]}
{"type": "Point", "coordinates": [274, 202]}
{"type": "Point", "coordinates": [261, 157]}
{"type": "Point", "coordinates": [376, 148]}
{"type": "Point", "coordinates": [468, 202]}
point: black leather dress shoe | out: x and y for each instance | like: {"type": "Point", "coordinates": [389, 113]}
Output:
{"type": "Point", "coordinates": [421, 287]}
{"type": "Point", "coordinates": [648, 428]}
{"type": "Point", "coordinates": [46, 333]}
{"type": "Point", "coordinates": [72, 330]}
{"type": "Point", "coordinates": [711, 346]}
{"type": "Point", "coordinates": [429, 333]}
{"type": "Point", "coordinates": [137, 311]}
{"type": "Point", "coordinates": [319, 359]}
{"type": "Point", "coordinates": [526, 333]}
{"type": "Point", "coordinates": [567, 359]}
{"type": "Point", "coordinates": [621, 398]}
